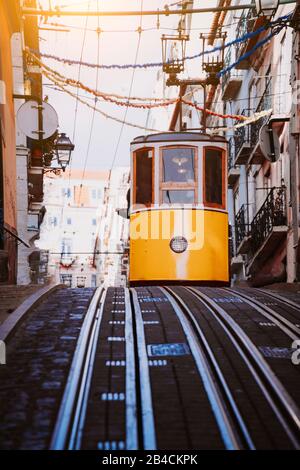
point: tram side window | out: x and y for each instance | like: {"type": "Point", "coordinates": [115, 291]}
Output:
{"type": "Point", "coordinates": [214, 177]}
{"type": "Point", "coordinates": [143, 177]}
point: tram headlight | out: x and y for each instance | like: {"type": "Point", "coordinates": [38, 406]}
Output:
{"type": "Point", "coordinates": [178, 244]}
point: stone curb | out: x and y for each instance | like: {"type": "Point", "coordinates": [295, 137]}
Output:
{"type": "Point", "coordinates": [9, 325]}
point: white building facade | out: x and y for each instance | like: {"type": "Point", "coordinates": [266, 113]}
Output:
{"type": "Point", "coordinates": [81, 233]}
{"type": "Point", "coordinates": [68, 233]}
{"type": "Point", "coordinates": [112, 247]}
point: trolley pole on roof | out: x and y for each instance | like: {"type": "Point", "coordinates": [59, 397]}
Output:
{"type": "Point", "coordinates": [191, 82]}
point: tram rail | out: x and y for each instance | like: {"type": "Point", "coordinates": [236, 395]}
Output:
{"type": "Point", "coordinates": [285, 408]}
{"type": "Point", "coordinates": [120, 328]}
{"type": "Point", "coordinates": [281, 298]}
{"type": "Point", "coordinates": [232, 426]}
{"type": "Point", "coordinates": [289, 328]}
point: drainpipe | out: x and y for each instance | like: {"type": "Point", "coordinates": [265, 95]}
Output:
{"type": "Point", "coordinates": [294, 149]}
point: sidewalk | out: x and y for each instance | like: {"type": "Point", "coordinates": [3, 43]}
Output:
{"type": "Point", "coordinates": [13, 296]}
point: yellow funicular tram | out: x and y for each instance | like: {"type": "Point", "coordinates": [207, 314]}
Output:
{"type": "Point", "coordinates": [178, 209]}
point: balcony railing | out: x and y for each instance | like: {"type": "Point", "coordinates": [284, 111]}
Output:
{"type": "Point", "coordinates": [245, 25]}
{"type": "Point", "coordinates": [249, 135]}
{"type": "Point", "coordinates": [227, 61]}
{"type": "Point", "coordinates": [241, 225]}
{"type": "Point", "coordinates": [8, 236]}
{"type": "Point", "coordinates": [271, 214]}
{"type": "Point", "coordinates": [242, 134]}
{"type": "Point", "coordinates": [231, 153]}
{"type": "Point", "coordinates": [264, 104]}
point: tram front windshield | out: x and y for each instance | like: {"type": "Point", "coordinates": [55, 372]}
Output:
{"type": "Point", "coordinates": [178, 175]}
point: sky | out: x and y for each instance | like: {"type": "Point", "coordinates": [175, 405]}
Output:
{"type": "Point", "coordinates": [100, 142]}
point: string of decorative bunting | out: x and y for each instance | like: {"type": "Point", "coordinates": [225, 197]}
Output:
{"type": "Point", "coordinates": [93, 107]}
{"type": "Point", "coordinates": [63, 81]}
{"type": "Point", "coordinates": [246, 120]}
{"type": "Point", "coordinates": [279, 21]}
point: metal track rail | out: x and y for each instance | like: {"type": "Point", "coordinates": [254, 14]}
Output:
{"type": "Point", "coordinates": [71, 419]}
{"type": "Point", "coordinates": [233, 431]}
{"type": "Point", "coordinates": [283, 405]}
{"type": "Point", "coordinates": [148, 423]}
{"type": "Point", "coordinates": [289, 328]}
{"type": "Point", "coordinates": [282, 299]}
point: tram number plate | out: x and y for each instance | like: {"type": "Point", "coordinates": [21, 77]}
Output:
{"type": "Point", "coordinates": [170, 349]}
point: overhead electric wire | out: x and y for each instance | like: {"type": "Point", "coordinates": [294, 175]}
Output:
{"type": "Point", "coordinates": [144, 30]}
{"type": "Point", "coordinates": [129, 94]}
{"type": "Point", "coordinates": [94, 111]}
{"type": "Point", "coordinates": [77, 103]}
{"type": "Point", "coordinates": [280, 22]}
{"type": "Point", "coordinates": [53, 87]}
{"type": "Point", "coordinates": [108, 116]}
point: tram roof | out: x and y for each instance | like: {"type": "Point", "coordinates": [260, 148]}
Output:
{"type": "Point", "coordinates": [178, 137]}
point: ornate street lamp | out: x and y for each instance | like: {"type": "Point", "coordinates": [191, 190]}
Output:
{"type": "Point", "coordinates": [266, 7]}
{"type": "Point", "coordinates": [63, 149]}
{"type": "Point", "coordinates": [173, 55]}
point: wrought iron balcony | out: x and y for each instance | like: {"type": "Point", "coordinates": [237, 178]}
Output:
{"type": "Point", "coordinates": [264, 104]}
{"type": "Point", "coordinates": [241, 226]}
{"type": "Point", "coordinates": [247, 149]}
{"type": "Point", "coordinates": [66, 260]}
{"type": "Point", "coordinates": [272, 214]}
{"type": "Point", "coordinates": [231, 81]}
{"type": "Point", "coordinates": [242, 141]}
{"type": "Point", "coordinates": [9, 236]}
{"type": "Point", "coordinates": [233, 169]}
{"type": "Point", "coordinates": [231, 153]}
{"type": "Point", "coordinates": [248, 22]}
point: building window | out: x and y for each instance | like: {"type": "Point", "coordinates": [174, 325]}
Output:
{"type": "Point", "coordinates": [94, 194]}
{"type": "Point", "coordinates": [94, 280]}
{"type": "Point", "coordinates": [66, 246]}
{"type": "Point", "coordinates": [94, 221]}
{"type": "Point", "coordinates": [66, 279]}
{"type": "Point", "coordinates": [53, 221]}
{"type": "Point", "coordinates": [178, 175]}
{"type": "Point", "coordinates": [69, 221]}
{"type": "Point", "coordinates": [81, 280]}
{"type": "Point", "coordinates": [66, 192]}
{"type": "Point", "coordinates": [99, 193]}
{"type": "Point", "coordinates": [143, 177]}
